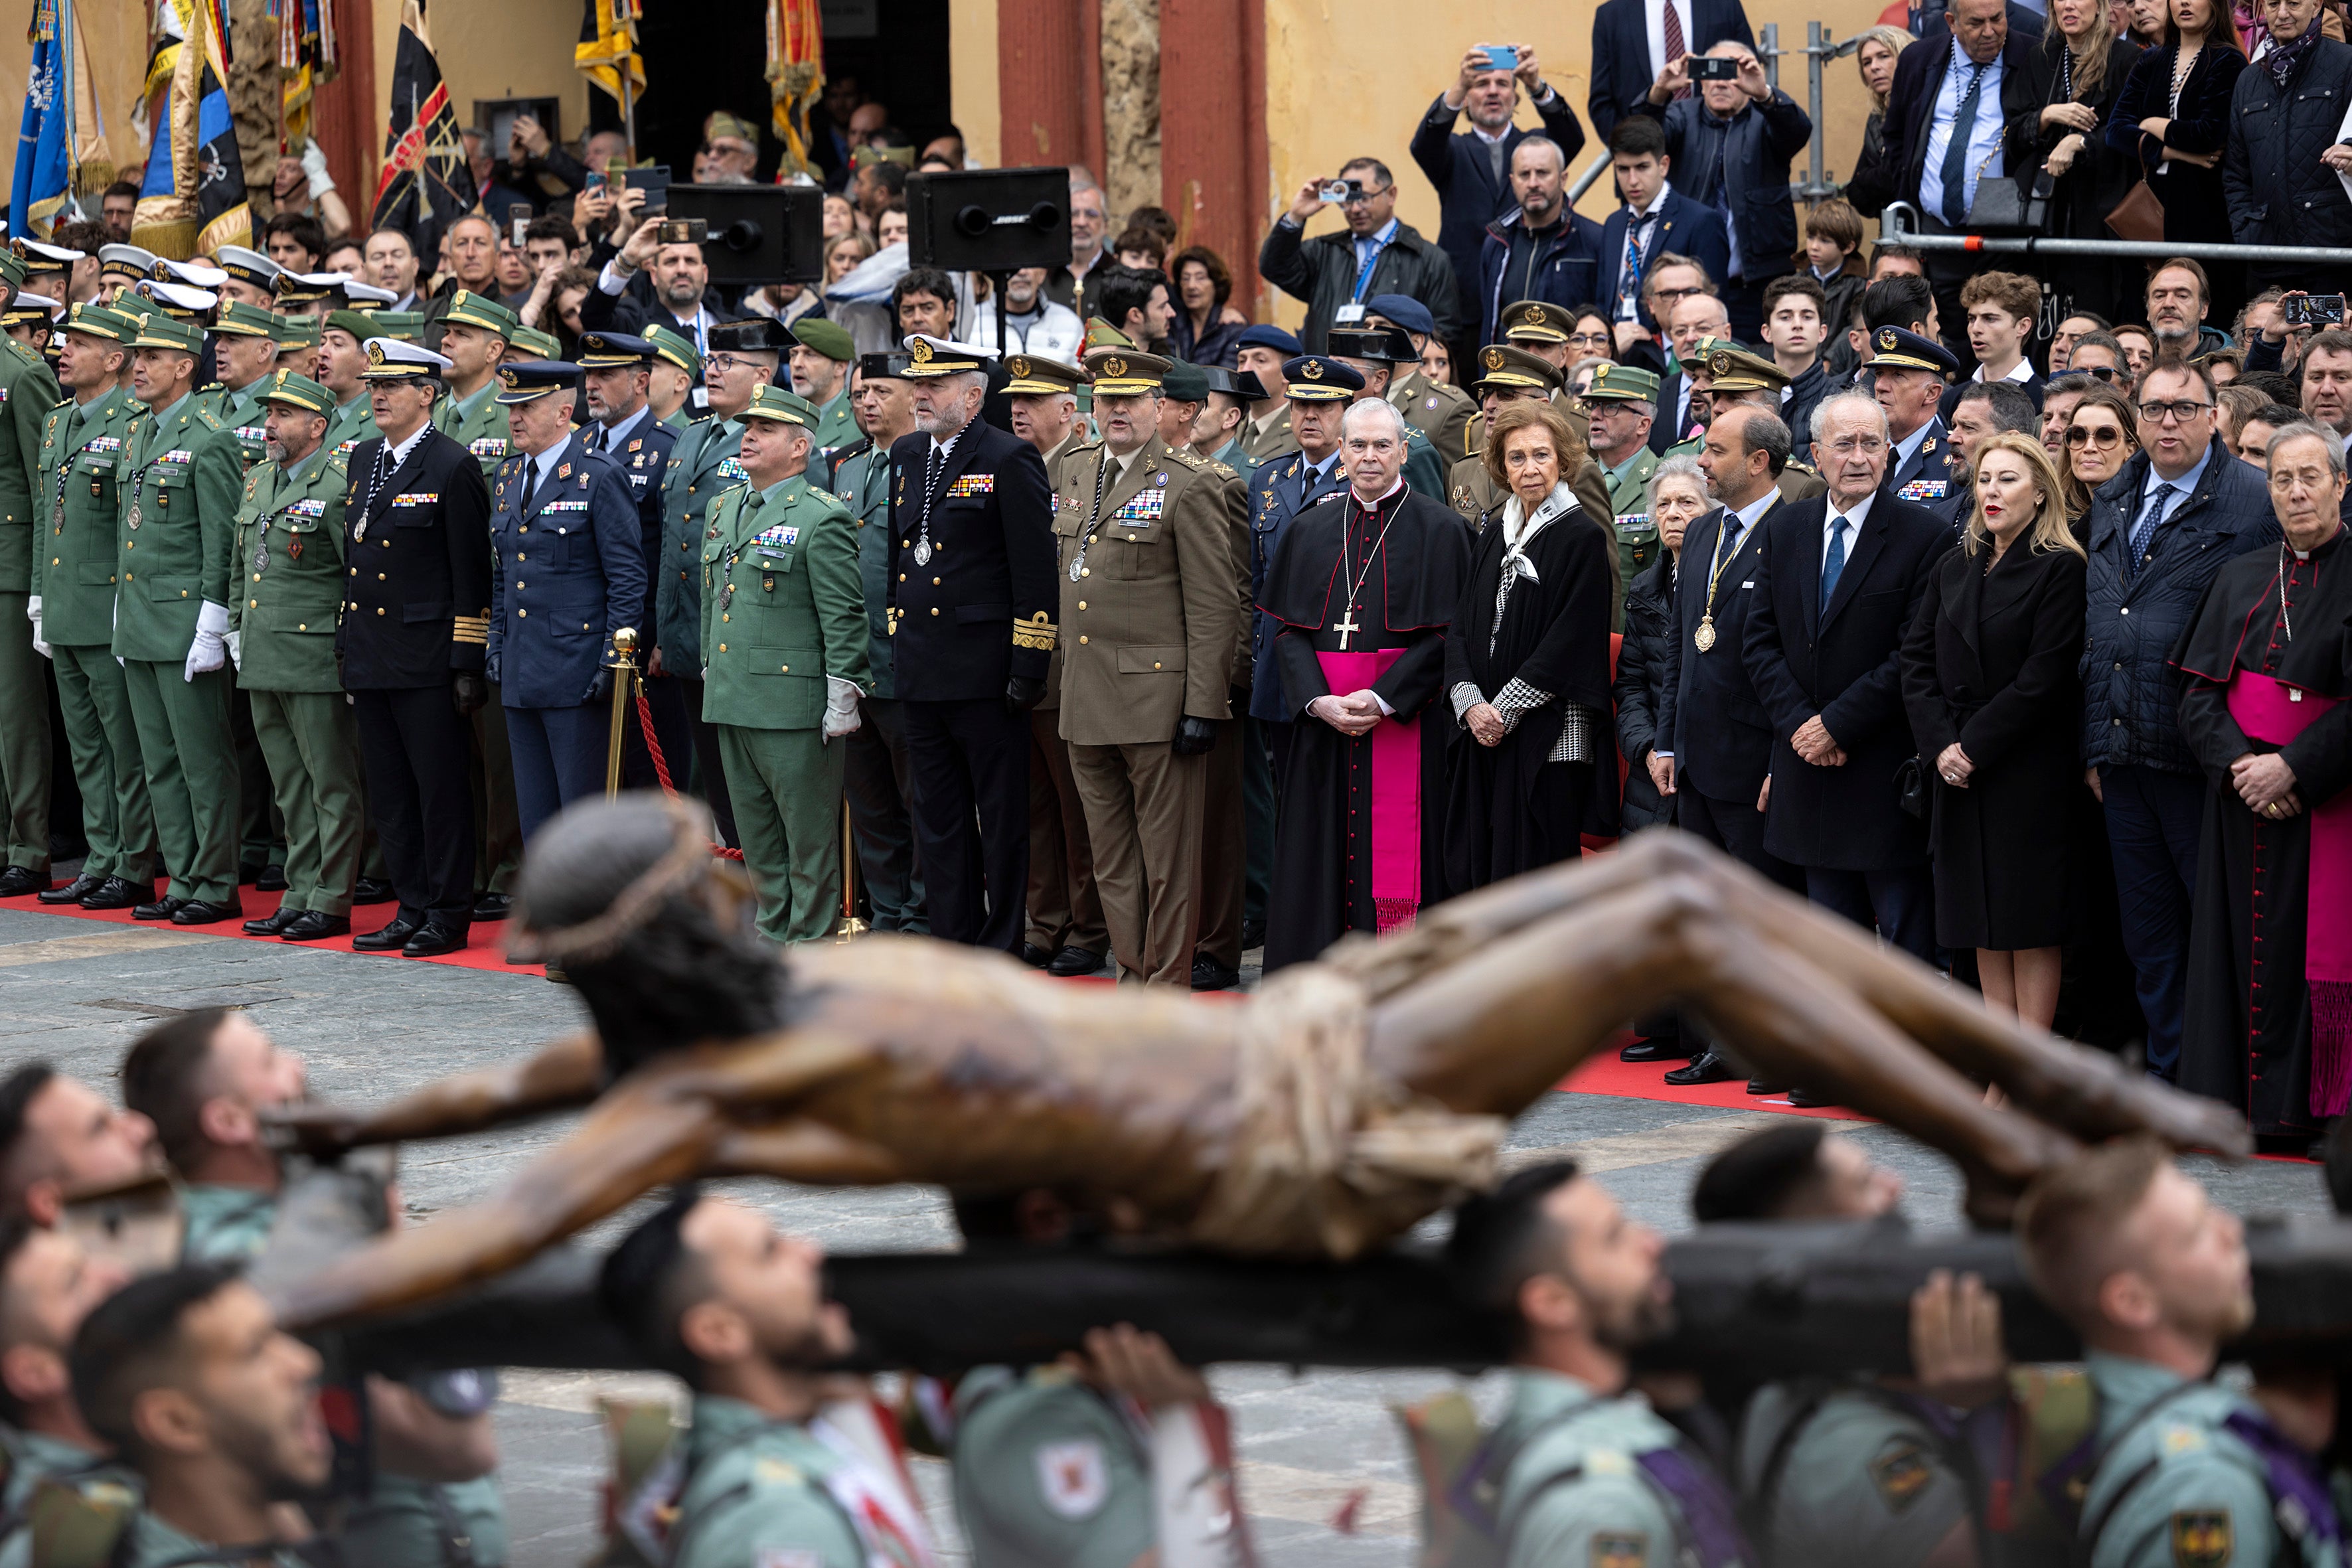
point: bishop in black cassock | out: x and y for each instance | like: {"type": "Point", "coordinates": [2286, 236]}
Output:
{"type": "Point", "coordinates": [2269, 661]}
{"type": "Point", "coordinates": [1363, 593]}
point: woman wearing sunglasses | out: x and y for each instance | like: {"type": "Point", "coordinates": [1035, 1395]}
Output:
{"type": "Point", "coordinates": [2099, 442]}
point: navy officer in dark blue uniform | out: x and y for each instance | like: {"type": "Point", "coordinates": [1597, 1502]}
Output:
{"type": "Point", "coordinates": [971, 600]}
{"type": "Point", "coordinates": [567, 570]}
{"type": "Point", "coordinates": [1320, 389]}
{"type": "Point", "coordinates": [411, 645]}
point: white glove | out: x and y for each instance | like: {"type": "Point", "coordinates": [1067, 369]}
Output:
{"type": "Point", "coordinates": [840, 707]}
{"type": "Point", "coordinates": [314, 165]}
{"type": "Point", "coordinates": [33, 613]}
{"type": "Point", "coordinates": [210, 650]}
{"type": "Point", "coordinates": [235, 641]}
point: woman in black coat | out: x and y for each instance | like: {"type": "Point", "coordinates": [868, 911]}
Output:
{"type": "Point", "coordinates": [2077, 75]}
{"type": "Point", "coordinates": [1677, 498]}
{"type": "Point", "coordinates": [1991, 681]}
{"type": "Point", "coordinates": [2176, 122]}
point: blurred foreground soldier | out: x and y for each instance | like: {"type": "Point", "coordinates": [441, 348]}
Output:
{"type": "Point", "coordinates": [1440, 411]}
{"type": "Point", "coordinates": [1365, 585]}
{"type": "Point", "coordinates": [779, 583]}
{"type": "Point", "coordinates": [2153, 1274]}
{"type": "Point", "coordinates": [289, 552]}
{"type": "Point", "coordinates": [1583, 1472]}
{"type": "Point", "coordinates": [573, 509]}
{"type": "Point", "coordinates": [59, 1135]}
{"type": "Point", "coordinates": [416, 623]}
{"type": "Point", "coordinates": [216, 1410]}
{"type": "Point", "coordinates": [73, 611]}
{"type": "Point", "coordinates": [2268, 660]}
{"type": "Point", "coordinates": [179, 524]}
{"type": "Point", "coordinates": [48, 1285]}
{"type": "Point", "coordinates": [28, 392]}
{"type": "Point", "coordinates": [972, 604]}
{"type": "Point", "coordinates": [1151, 618]}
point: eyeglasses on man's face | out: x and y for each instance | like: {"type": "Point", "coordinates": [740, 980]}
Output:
{"type": "Point", "coordinates": [2182, 412]}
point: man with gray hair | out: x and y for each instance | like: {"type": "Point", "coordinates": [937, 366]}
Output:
{"type": "Point", "coordinates": [1541, 251]}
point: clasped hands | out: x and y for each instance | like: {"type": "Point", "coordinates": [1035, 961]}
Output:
{"type": "Point", "coordinates": [1354, 714]}
{"type": "Point", "coordinates": [1813, 743]}
{"type": "Point", "coordinates": [2266, 784]}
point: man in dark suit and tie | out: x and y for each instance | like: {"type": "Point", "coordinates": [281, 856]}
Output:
{"type": "Point", "coordinates": [1634, 41]}
{"type": "Point", "coordinates": [1472, 169]}
{"type": "Point", "coordinates": [1838, 583]}
{"type": "Point", "coordinates": [411, 645]}
{"type": "Point", "coordinates": [1657, 221]}
{"type": "Point", "coordinates": [971, 600]}
{"type": "Point", "coordinates": [1714, 744]}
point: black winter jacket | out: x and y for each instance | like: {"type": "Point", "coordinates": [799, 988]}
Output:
{"type": "Point", "coordinates": [1322, 272]}
{"type": "Point", "coordinates": [1641, 681]}
{"type": "Point", "coordinates": [2278, 190]}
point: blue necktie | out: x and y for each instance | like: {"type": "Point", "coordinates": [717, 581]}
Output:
{"type": "Point", "coordinates": [2145, 529]}
{"type": "Point", "coordinates": [1955, 156]}
{"type": "Point", "coordinates": [1832, 562]}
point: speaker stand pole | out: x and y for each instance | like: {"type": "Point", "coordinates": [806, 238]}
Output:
{"type": "Point", "coordinates": [998, 283]}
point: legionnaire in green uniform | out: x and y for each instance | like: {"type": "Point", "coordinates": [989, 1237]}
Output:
{"type": "Point", "coordinates": [282, 637]}
{"type": "Point", "coordinates": [677, 369]}
{"type": "Point", "coordinates": [245, 348]}
{"type": "Point", "coordinates": [48, 1284]}
{"type": "Point", "coordinates": [1620, 405]}
{"type": "Point", "coordinates": [297, 338]}
{"type": "Point", "coordinates": [822, 354]}
{"type": "Point", "coordinates": [1507, 374]}
{"type": "Point", "coordinates": [179, 489]}
{"type": "Point", "coordinates": [780, 586]}
{"type": "Point", "coordinates": [2154, 1276]}
{"type": "Point", "coordinates": [83, 444]}
{"type": "Point", "coordinates": [708, 1290]}
{"type": "Point", "coordinates": [1588, 1474]}
{"type": "Point", "coordinates": [28, 392]}
{"type": "Point", "coordinates": [1438, 411]}
{"type": "Point", "coordinates": [343, 365]}
{"type": "Point", "coordinates": [1374, 356]}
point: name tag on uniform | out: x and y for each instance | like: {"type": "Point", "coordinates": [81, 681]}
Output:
{"type": "Point", "coordinates": [971, 485]}
{"type": "Point", "coordinates": [487, 447]}
{"type": "Point", "coordinates": [1142, 511]}
{"type": "Point", "coordinates": [417, 497]}
{"type": "Point", "coordinates": [1631, 523]}
{"type": "Point", "coordinates": [731, 468]}
{"type": "Point", "coordinates": [1925, 490]}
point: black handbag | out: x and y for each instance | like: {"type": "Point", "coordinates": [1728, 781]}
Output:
{"type": "Point", "coordinates": [2003, 204]}
{"type": "Point", "coordinates": [1911, 787]}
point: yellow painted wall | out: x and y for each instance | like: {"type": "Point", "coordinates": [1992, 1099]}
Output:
{"type": "Point", "coordinates": [974, 105]}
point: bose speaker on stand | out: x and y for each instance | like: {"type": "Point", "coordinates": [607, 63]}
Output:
{"type": "Point", "coordinates": [758, 234]}
{"type": "Point", "coordinates": [996, 221]}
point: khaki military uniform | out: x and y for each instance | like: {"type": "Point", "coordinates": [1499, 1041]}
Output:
{"type": "Point", "coordinates": [1474, 494]}
{"type": "Point", "coordinates": [783, 611]}
{"type": "Point", "coordinates": [1148, 623]}
{"type": "Point", "coordinates": [479, 423]}
{"type": "Point", "coordinates": [28, 392]}
{"type": "Point", "coordinates": [755, 1496]}
{"type": "Point", "coordinates": [1064, 906]}
{"type": "Point", "coordinates": [1272, 441]}
{"type": "Point", "coordinates": [1441, 413]}
{"type": "Point", "coordinates": [289, 549]}
{"type": "Point", "coordinates": [82, 450]}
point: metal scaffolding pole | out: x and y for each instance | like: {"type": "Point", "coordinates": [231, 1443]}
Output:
{"type": "Point", "coordinates": [1899, 225]}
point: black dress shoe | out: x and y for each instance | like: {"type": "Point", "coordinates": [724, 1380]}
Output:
{"type": "Point", "coordinates": [204, 912]}
{"type": "Point", "coordinates": [1654, 1052]}
{"type": "Point", "coordinates": [18, 883]}
{"type": "Point", "coordinates": [1708, 1067]}
{"type": "Point", "coordinates": [372, 891]}
{"type": "Point", "coordinates": [117, 893]}
{"type": "Point", "coordinates": [271, 880]}
{"type": "Point", "coordinates": [1765, 1085]}
{"type": "Point", "coordinates": [436, 937]}
{"type": "Point", "coordinates": [1072, 961]}
{"type": "Point", "coordinates": [1036, 957]}
{"type": "Point", "coordinates": [1252, 934]}
{"type": "Point", "coordinates": [316, 925]}
{"type": "Point", "coordinates": [270, 925]}
{"type": "Point", "coordinates": [394, 935]}
{"type": "Point", "coordinates": [249, 872]}
{"type": "Point", "coordinates": [163, 909]}
{"type": "Point", "coordinates": [1208, 975]}
{"type": "Point", "coordinates": [74, 892]}
{"type": "Point", "coordinates": [1806, 1099]}
{"type": "Point", "coordinates": [493, 906]}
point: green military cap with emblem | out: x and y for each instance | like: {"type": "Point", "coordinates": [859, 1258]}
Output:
{"type": "Point", "coordinates": [1735, 370]}
{"type": "Point", "coordinates": [774, 403]}
{"type": "Point", "coordinates": [240, 320]}
{"type": "Point", "coordinates": [12, 268]}
{"type": "Point", "coordinates": [673, 347]}
{"type": "Point", "coordinates": [390, 358]}
{"type": "Point", "coordinates": [1500, 364]}
{"type": "Point", "coordinates": [533, 344]}
{"type": "Point", "coordinates": [1537, 321]}
{"type": "Point", "coordinates": [301, 392]}
{"type": "Point", "coordinates": [1101, 334]}
{"type": "Point", "coordinates": [1033, 375]}
{"type": "Point", "coordinates": [406, 325]}
{"type": "Point", "coordinates": [1614, 382]}
{"type": "Point", "coordinates": [1125, 372]}
{"type": "Point", "coordinates": [297, 333]}
{"type": "Point", "coordinates": [159, 331]}
{"type": "Point", "coordinates": [467, 309]}
{"type": "Point", "coordinates": [830, 339]}
{"type": "Point", "coordinates": [99, 321]}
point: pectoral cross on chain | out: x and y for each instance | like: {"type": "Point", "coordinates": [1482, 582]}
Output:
{"type": "Point", "coordinates": [1346, 626]}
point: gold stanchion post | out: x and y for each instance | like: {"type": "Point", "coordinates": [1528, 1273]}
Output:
{"type": "Point", "coordinates": [852, 928]}
{"type": "Point", "coordinates": [624, 673]}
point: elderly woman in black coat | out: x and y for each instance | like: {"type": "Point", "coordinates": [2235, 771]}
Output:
{"type": "Point", "coordinates": [1990, 679]}
{"type": "Point", "coordinates": [1677, 495]}
{"type": "Point", "coordinates": [2280, 170]}
{"type": "Point", "coordinates": [1527, 662]}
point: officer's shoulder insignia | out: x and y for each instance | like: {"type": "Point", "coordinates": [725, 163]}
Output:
{"type": "Point", "coordinates": [1224, 471]}
{"type": "Point", "coordinates": [2176, 1439]}
{"type": "Point", "coordinates": [1620, 1549]}
{"type": "Point", "coordinates": [2200, 1538]}
{"type": "Point", "coordinates": [772, 1472]}
{"type": "Point", "coordinates": [1802, 466]}
{"type": "Point", "coordinates": [1608, 1462]}
{"type": "Point", "coordinates": [1191, 460]}
{"type": "Point", "coordinates": [213, 386]}
{"type": "Point", "coordinates": [635, 442]}
{"type": "Point", "coordinates": [207, 416]}
{"type": "Point", "coordinates": [1073, 1477]}
{"type": "Point", "coordinates": [1900, 1473]}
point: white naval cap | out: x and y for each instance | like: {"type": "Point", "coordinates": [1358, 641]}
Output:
{"type": "Point", "coordinates": [390, 358]}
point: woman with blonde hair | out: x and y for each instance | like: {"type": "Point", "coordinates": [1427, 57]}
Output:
{"type": "Point", "coordinates": [1991, 681]}
{"type": "Point", "coordinates": [1873, 182]}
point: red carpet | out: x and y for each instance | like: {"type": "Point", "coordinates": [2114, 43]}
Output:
{"type": "Point", "coordinates": [485, 946]}
{"type": "Point", "coordinates": [1604, 1074]}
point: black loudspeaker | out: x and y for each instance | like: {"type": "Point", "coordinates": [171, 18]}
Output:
{"type": "Point", "coordinates": [989, 220]}
{"type": "Point", "coordinates": [758, 234]}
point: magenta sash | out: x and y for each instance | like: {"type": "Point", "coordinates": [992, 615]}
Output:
{"type": "Point", "coordinates": [2265, 710]}
{"type": "Point", "coordinates": [1396, 791]}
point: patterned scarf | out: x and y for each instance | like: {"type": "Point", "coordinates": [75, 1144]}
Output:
{"type": "Point", "coordinates": [2285, 60]}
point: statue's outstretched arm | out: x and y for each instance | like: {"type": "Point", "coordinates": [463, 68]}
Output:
{"type": "Point", "coordinates": [559, 1077]}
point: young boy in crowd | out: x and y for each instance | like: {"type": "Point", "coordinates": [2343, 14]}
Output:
{"type": "Point", "coordinates": [1796, 327]}
{"type": "Point", "coordinates": [2000, 306]}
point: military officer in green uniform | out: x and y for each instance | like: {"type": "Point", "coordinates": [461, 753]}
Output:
{"type": "Point", "coordinates": [781, 587]}
{"type": "Point", "coordinates": [297, 338]}
{"type": "Point", "coordinates": [1507, 374]}
{"type": "Point", "coordinates": [822, 355]}
{"type": "Point", "coordinates": [179, 489]}
{"type": "Point", "coordinates": [244, 350]}
{"type": "Point", "coordinates": [342, 369]}
{"type": "Point", "coordinates": [83, 445]}
{"type": "Point", "coordinates": [1374, 354]}
{"type": "Point", "coordinates": [677, 369]}
{"type": "Point", "coordinates": [282, 638]}
{"type": "Point", "coordinates": [1440, 411]}
{"type": "Point", "coordinates": [1736, 378]}
{"type": "Point", "coordinates": [1620, 405]}
{"type": "Point", "coordinates": [28, 392]}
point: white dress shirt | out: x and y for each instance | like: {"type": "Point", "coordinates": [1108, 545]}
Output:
{"type": "Point", "coordinates": [1854, 521]}
{"type": "Point", "coordinates": [1984, 132]}
{"type": "Point", "coordinates": [1655, 11]}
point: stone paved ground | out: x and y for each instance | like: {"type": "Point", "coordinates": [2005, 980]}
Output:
{"type": "Point", "coordinates": [77, 992]}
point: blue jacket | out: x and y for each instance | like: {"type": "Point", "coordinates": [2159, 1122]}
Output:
{"type": "Point", "coordinates": [1567, 269]}
{"type": "Point", "coordinates": [2278, 190]}
{"type": "Point", "coordinates": [565, 574]}
{"type": "Point", "coordinates": [1926, 477]}
{"type": "Point", "coordinates": [1279, 491]}
{"type": "Point", "coordinates": [2131, 693]}
{"type": "Point", "coordinates": [643, 458]}
{"type": "Point", "coordinates": [1469, 197]}
{"type": "Point", "coordinates": [1749, 156]}
{"type": "Point", "coordinates": [1621, 54]}
{"type": "Point", "coordinates": [1684, 226]}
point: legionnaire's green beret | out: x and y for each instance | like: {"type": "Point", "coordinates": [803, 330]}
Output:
{"type": "Point", "coordinates": [830, 339]}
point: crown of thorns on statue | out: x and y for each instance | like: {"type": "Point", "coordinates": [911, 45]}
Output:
{"type": "Point", "coordinates": [687, 866]}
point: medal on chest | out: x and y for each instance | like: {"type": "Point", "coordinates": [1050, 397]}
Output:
{"type": "Point", "coordinates": [261, 558]}
{"type": "Point", "coordinates": [923, 551]}
{"type": "Point", "coordinates": [1704, 638]}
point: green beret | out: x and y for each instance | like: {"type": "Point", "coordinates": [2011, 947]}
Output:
{"type": "Point", "coordinates": [830, 339]}
{"type": "Point", "coordinates": [1183, 383]}
{"type": "Point", "coordinates": [362, 324]}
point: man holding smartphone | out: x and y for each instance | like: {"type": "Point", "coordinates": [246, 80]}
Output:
{"type": "Point", "coordinates": [1376, 253]}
